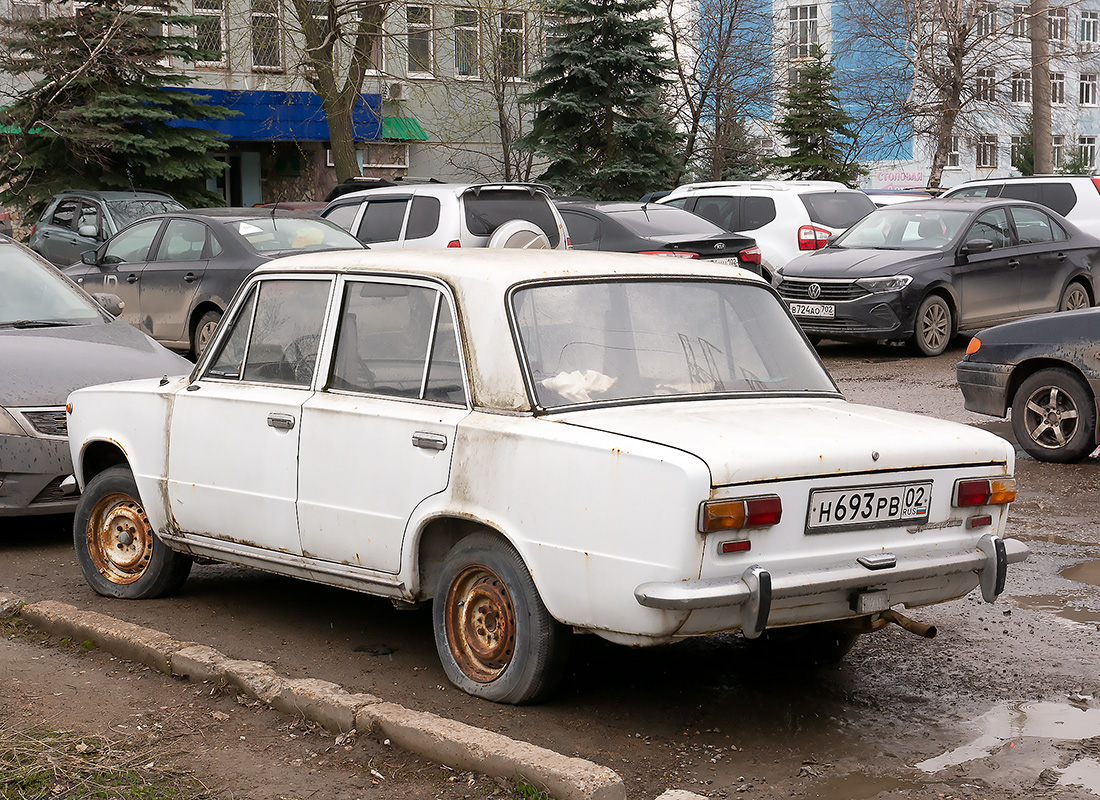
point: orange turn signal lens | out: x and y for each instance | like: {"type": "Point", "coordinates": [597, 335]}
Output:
{"type": "Point", "coordinates": [1002, 491]}
{"type": "Point", "coordinates": [733, 515]}
{"type": "Point", "coordinates": [974, 346]}
{"type": "Point", "coordinates": [68, 408]}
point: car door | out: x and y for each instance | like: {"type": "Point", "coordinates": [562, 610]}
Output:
{"type": "Point", "coordinates": [393, 400]}
{"type": "Point", "coordinates": [1044, 261]}
{"type": "Point", "coordinates": [382, 222]}
{"type": "Point", "coordinates": [119, 267]}
{"type": "Point", "coordinates": [58, 236]}
{"type": "Point", "coordinates": [988, 284]}
{"type": "Point", "coordinates": [233, 444]}
{"type": "Point", "coordinates": [170, 281]}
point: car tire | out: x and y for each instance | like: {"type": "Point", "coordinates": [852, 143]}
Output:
{"type": "Point", "coordinates": [806, 645]}
{"type": "Point", "coordinates": [1054, 416]}
{"type": "Point", "coordinates": [204, 332]}
{"type": "Point", "coordinates": [494, 636]}
{"type": "Point", "coordinates": [521, 234]}
{"type": "Point", "coordinates": [116, 547]}
{"type": "Point", "coordinates": [1075, 296]}
{"type": "Point", "coordinates": [933, 326]}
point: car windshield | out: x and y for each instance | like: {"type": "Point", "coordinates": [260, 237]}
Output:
{"type": "Point", "coordinates": [133, 209]}
{"type": "Point", "coordinates": [33, 294]}
{"type": "Point", "coordinates": [653, 220]}
{"type": "Point", "coordinates": [273, 234]}
{"type": "Point", "coordinates": [903, 228]}
{"type": "Point", "coordinates": [622, 340]}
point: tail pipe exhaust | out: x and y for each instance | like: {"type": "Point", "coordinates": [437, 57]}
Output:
{"type": "Point", "coordinates": [911, 625]}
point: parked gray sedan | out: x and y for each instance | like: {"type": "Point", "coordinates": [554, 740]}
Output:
{"type": "Point", "coordinates": [176, 272]}
{"type": "Point", "coordinates": [54, 339]}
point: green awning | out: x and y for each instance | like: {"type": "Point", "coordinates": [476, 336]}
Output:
{"type": "Point", "coordinates": [405, 129]}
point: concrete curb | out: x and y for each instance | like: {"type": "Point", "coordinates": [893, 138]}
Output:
{"type": "Point", "coordinates": [432, 737]}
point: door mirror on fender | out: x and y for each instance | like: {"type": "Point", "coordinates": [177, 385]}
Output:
{"type": "Point", "coordinates": [975, 246]}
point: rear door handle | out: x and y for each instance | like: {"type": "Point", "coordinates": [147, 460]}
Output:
{"type": "Point", "coordinates": [131, 278]}
{"type": "Point", "coordinates": [280, 422]}
{"type": "Point", "coordinates": [1013, 264]}
{"type": "Point", "coordinates": [190, 277]}
{"type": "Point", "coordinates": [429, 441]}
{"type": "Point", "coordinates": [1062, 256]}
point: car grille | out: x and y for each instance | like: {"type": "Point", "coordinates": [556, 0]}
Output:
{"type": "Point", "coordinates": [791, 289]}
{"type": "Point", "coordinates": [835, 325]}
{"type": "Point", "coordinates": [48, 422]}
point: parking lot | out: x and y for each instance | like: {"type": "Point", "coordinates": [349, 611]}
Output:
{"type": "Point", "coordinates": [1002, 703]}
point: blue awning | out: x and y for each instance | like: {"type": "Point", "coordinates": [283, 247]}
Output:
{"type": "Point", "coordinates": [267, 116]}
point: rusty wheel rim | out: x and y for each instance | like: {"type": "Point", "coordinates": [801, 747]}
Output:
{"type": "Point", "coordinates": [481, 623]}
{"type": "Point", "coordinates": [120, 538]}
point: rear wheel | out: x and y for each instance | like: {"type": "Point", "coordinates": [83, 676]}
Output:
{"type": "Point", "coordinates": [1075, 296]}
{"type": "Point", "coordinates": [1054, 416]}
{"type": "Point", "coordinates": [494, 636]}
{"type": "Point", "coordinates": [934, 326]}
{"type": "Point", "coordinates": [116, 548]}
{"type": "Point", "coordinates": [204, 332]}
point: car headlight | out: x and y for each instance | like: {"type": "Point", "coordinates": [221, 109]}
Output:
{"type": "Point", "coordinates": [894, 283]}
{"type": "Point", "coordinates": [9, 426]}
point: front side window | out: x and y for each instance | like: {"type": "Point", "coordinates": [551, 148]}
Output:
{"type": "Point", "coordinates": [382, 221]}
{"type": "Point", "coordinates": [276, 335]}
{"type": "Point", "coordinates": [132, 245]}
{"type": "Point", "coordinates": [803, 31]}
{"type": "Point", "coordinates": [398, 341]}
{"type": "Point", "coordinates": [992, 225]}
{"type": "Point", "coordinates": [418, 28]}
{"type": "Point", "coordinates": [607, 341]}
{"type": "Point", "coordinates": [512, 36]}
{"type": "Point", "coordinates": [467, 43]}
{"type": "Point", "coordinates": [722, 211]}
{"type": "Point", "coordinates": [267, 51]}
{"type": "Point", "coordinates": [210, 31]}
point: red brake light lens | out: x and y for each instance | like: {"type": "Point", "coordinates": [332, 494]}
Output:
{"type": "Point", "coordinates": [454, 243]}
{"type": "Point", "coordinates": [983, 491]}
{"type": "Point", "coordinates": [750, 255]}
{"type": "Point", "coordinates": [733, 515]}
{"type": "Point", "coordinates": [811, 237]}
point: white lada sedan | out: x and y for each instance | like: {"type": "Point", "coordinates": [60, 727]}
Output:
{"type": "Point", "coordinates": [538, 443]}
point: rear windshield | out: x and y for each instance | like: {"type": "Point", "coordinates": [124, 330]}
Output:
{"type": "Point", "coordinates": [272, 234]}
{"type": "Point", "coordinates": [127, 211]}
{"type": "Point", "coordinates": [837, 209]}
{"type": "Point", "coordinates": [658, 220]}
{"type": "Point", "coordinates": [487, 210]}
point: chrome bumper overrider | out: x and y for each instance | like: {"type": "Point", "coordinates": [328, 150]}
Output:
{"type": "Point", "coordinates": [756, 588]}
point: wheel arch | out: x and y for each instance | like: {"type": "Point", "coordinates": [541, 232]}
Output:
{"type": "Point", "coordinates": [196, 315]}
{"type": "Point", "coordinates": [947, 292]}
{"type": "Point", "coordinates": [1083, 278]}
{"type": "Point", "coordinates": [435, 539]}
{"type": "Point", "coordinates": [97, 456]}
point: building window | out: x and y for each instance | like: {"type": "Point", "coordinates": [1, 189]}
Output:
{"type": "Point", "coordinates": [1088, 90]}
{"type": "Point", "coordinates": [512, 36]}
{"type": "Point", "coordinates": [319, 12]}
{"type": "Point", "coordinates": [267, 51]}
{"type": "Point", "coordinates": [803, 31]}
{"type": "Point", "coordinates": [1059, 24]}
{"type": "Point", "coordinates": [1087, 148]}
{"type": "Point", "coordinates": [1090, 26]}
{"type": "Point", "coordinates": [20, 9]}
{"type": "Point", "coordinates": [1058, 145]}
{"type": "Point", "coordinates": [1016, 154]}
{"type": "Point", "coordinates": [467, 43]}
{"type": "Point", "coordinates": [552, 31]}
{"type": "Point", "coordinates": [1021, 19]}
{"type": "Point", "coordinates": [986, 88]}
{"type": "Point", "coordinates": [953, 153]}
{"type": "Point", "coordinates": [987, 19]}
{"type": "Point", "coordinates": [1058, 88]}
{"type": "Point", "coordinates": [1021, 87]}
{"type": "Point", "coordinates": [210, 30]}
{"type": "Point", "coordinates": [418, 27]}
{"type": "Point", "coordinates": [987, 151]}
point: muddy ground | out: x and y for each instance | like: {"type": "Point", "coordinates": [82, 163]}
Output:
{"type": "Point", "coordinates": [1004, 703]}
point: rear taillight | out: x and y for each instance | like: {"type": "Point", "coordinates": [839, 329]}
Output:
{"type": "Point", "coordinates": [5, 215]}
{"type": "Point", "coordinates": [454, 243]}
{"type": "Point", "coordinates": [811, 237]}
{"type": "Point", "coordinates": [984, 491]}
{"type": "Point", "coordinates": [750, 255]}
{"type": "Point", "coordinates": [672, 253]}
{"type": "Point", "coordinates": [34, 227]}
{"type": "Point", "coordinates": [568, 243]}
{"type": "Point", "coordinates": [734, 515]}
{"type": "Point", "coordinates": [1096, 183]}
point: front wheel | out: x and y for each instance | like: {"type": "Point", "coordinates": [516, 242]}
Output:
{"type": "Point", "coordinates": [116, 547]}
{"type": "Point", "coordinates": [934, 326]}
{"type": "Point", "coordinates": [1054, 416]}
{"type": "Point", "coordinates": [494, 636]}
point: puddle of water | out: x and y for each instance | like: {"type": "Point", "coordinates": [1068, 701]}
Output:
{"type": "Point", "coordinates": [1038, 720]}
{"type": "Point", "coordinates": [1085, 772]}
{"type": "Point", "coordinates": [859, 786]}
{"type": "Point", "coordinates": [1057, 605]}
{"type": "Point", "coordinates": [1088, 572]}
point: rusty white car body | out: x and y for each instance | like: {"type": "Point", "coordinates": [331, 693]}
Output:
{"type": "Point", "coordinates": [542, 443]}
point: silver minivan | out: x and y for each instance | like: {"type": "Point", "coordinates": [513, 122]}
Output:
{"type": "Point", "coordinates": [451, 215]}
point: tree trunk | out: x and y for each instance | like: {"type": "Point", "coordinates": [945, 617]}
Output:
{"type": "Point", "coordinates": [943, 145]}
{"type": "Point", "coordinates": [1042, 144]}
{"type": "Point", "coordinates": [338, 110]}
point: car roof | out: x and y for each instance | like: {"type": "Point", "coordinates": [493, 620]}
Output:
{"type": "Point", "coordinates": [438, 189]}
{"type": "Point", "coordinates": [615, 206]}
{"type": "Point", "coordinates": [777, 186]}
{"type": "Point", "coordinates": [968, 203]}
{"type": "Point", "coordinates": [224, 215]}
{"type": "Point", "coordinates": [136, 194]}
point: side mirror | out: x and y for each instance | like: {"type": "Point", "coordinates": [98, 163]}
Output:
{"type": "Point", "coordinates": [88, 257]}
{"type": "Point", "coordinates": [88, 231]}
{"type": "Point", "coordinates": [111, 303]}
{"type": "Point", "coordinates": [975, 246]}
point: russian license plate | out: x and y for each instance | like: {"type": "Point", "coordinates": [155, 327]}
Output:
{"type": "Point", "coordinates": [820, 310]}
{"type": "Point", "coordinates": [868, 506]}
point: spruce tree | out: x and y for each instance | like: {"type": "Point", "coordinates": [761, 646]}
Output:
{"type": "Point", "coordinates": [100, 111]}
{"type": "Point", "coordinates": [599, 121]}
{"type": "Point", "coordinates": [812, 124]}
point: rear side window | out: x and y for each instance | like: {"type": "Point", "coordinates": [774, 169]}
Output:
{"type": "Point", "coordinates": [489, 209]}
{"type": "Point", "coordinates": [1021, 191]}
{"type": "Point", "coordinates": [837, 209]}
{"type": "Point", "coordinates": [756, 212]}
{"type": "Point", "coordinates": [722, 211]}
{"type": "Point", "coordinates": [1059, 196]}
{"type": "Point", "coordinates": [989, 190]}
{"type": "Point", "coordinates": [64, 213]}
{"type": "Point", "coordinates": [583, 229]}
{"type": "Point", "coordinates": [382, 221]}
{"type": "Point", "coordinates": [423, 218]}
{"type": "Point", "coordinates": [1032, 226]}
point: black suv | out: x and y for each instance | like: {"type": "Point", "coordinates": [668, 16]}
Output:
{"type": "Point", "coordinates": [76, 220]}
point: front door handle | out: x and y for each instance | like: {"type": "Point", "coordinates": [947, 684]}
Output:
{"type": "Point", "coordinates": [132, 278]}
{"type": "Point", "coordinates": [280, 422]}
{"type": "Point", "coordinates": [429, 441]}
{"type": "Point", "coordinates": [1013, 264]}
{"type": "Point", "coordinates": [1061, 257]}
{"type": "Point", "coordinates": [190, 277]}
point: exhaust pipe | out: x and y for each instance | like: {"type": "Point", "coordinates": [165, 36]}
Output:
{"type": "Point", "coordinates": [911, 625]}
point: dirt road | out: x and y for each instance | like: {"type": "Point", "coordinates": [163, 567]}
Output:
{"type": "Point", "coordinates": [1004, 703]}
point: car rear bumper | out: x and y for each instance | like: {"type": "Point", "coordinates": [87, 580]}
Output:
{"type": "Point", "coordinates": [757, 589]}
{"type": "Point", "coordinates": [984, 387]}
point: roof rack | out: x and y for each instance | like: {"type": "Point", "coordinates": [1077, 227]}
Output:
{"type": "Point", "coordinates": [98, 194]}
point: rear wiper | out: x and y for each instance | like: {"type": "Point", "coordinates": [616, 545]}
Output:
{"type": "Point", "coordinates": [37, 323]}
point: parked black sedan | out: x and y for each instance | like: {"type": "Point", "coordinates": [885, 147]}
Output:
{"type": "Point", "coordinates": [923, 271]}
{"type": "Point", "coordinates": [1047, 370]}
{"type": "Point", "coordinates": [654, 230]}
{"type": "Point", "coordinates": [176, 272]}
